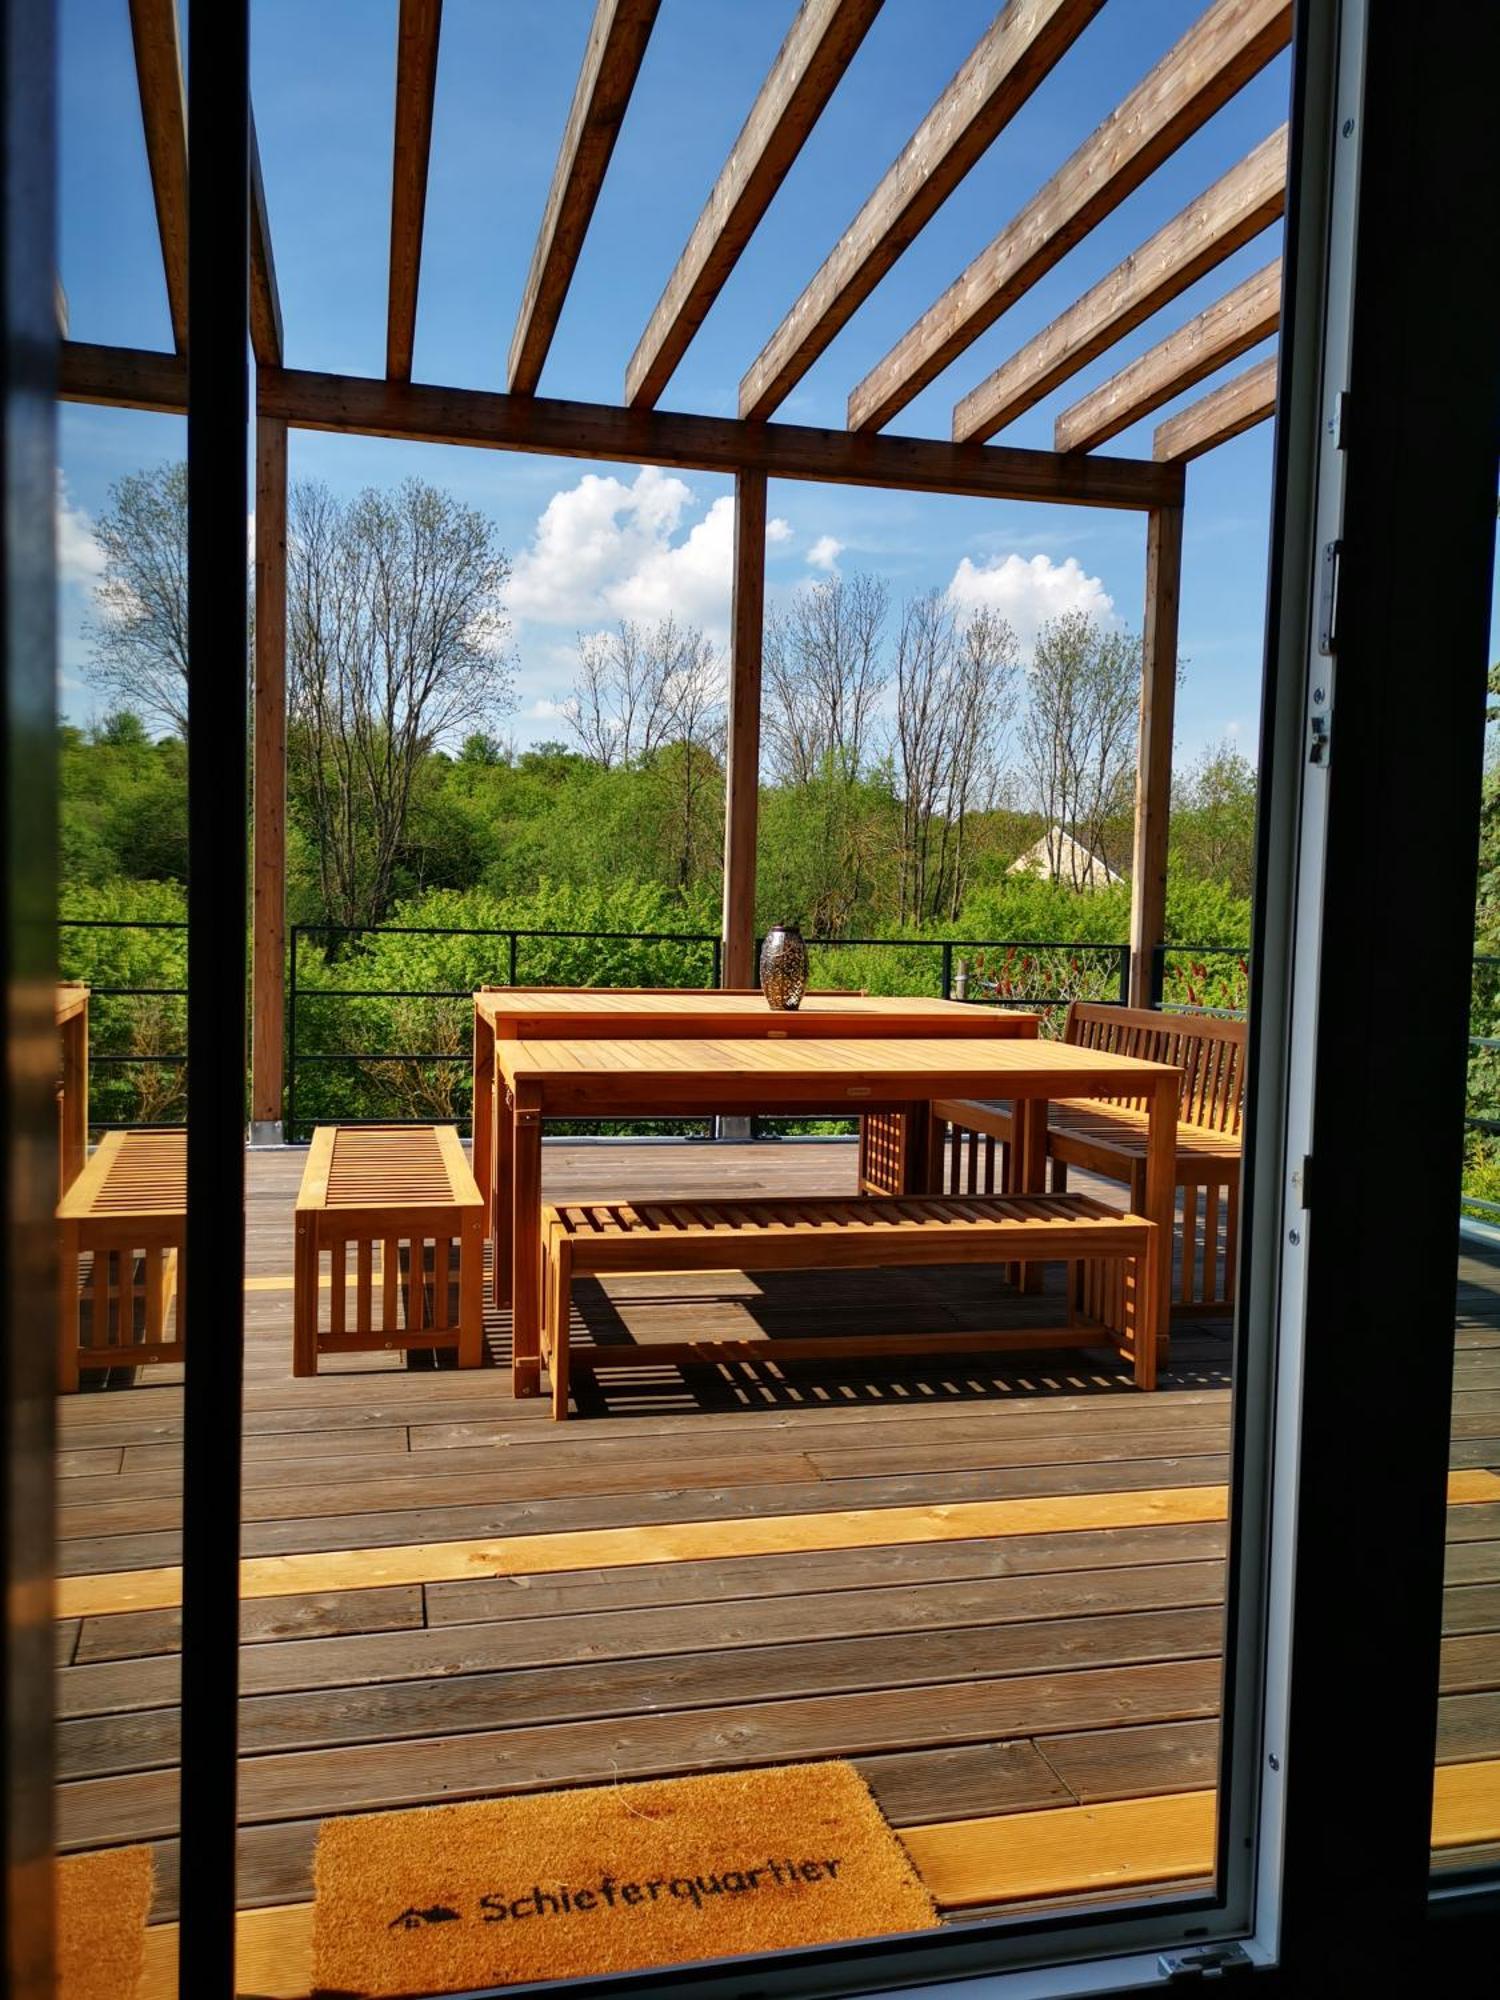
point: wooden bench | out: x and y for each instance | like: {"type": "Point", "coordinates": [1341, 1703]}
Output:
{"type": "Point", "coordinates": [127, 1210]}
{"type": "Point", "coordinates": [406, 1188]}
{"type": "Point", "coordinates": [789, 1233]}
{"type": "Point", "coordinates": [1110, 1139]}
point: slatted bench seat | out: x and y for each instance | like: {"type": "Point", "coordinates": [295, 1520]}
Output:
{"type": "Point", "coordinates": [127, 1210]}
{"type": "Point", "coordinates": [1110, 1139]}
{"type": "Point", "coordinates": [864, 1231]}
{"type": "Point", "coordinates": [407, 1188]}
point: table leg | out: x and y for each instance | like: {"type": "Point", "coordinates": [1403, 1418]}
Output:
{"type": "Point", "coordinates": [1161, 1190]}
{"type": "Point", "coordinates": [526, 1242]}
{"type": "Point", "coordinates": [501, 1189]}
{"type": "Point", "coordinates": [1030, 1168]}
{"type": "Point", "coordinates": [484, 1108]}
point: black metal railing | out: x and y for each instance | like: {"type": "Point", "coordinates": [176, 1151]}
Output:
{"type": "Point", "coordinates": [114, 1016]}
{"type": "Point", "coordinates": [435, 1083]}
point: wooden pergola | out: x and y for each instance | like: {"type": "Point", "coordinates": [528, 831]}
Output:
{"type": "Point", "coordinates": [1229, 43]}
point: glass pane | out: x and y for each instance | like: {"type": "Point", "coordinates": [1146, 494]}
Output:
{"type": "Point", "coordinates": [1466, 1812]}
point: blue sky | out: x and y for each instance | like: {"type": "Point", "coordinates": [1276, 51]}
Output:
{"type": "Point", "coordinates": [594, 542]}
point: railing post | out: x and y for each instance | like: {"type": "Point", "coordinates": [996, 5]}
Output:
{"type": "Point", "coordinates": [1158, 974]}
{"type": "Point", "coordinates": [1125, 959]}
{"type": "Point", "coordinates": [718, 962]}
{"type": "Point", "coordinates": [291, 1041]}
{"type": "Point", "coordinates": [947, 971]}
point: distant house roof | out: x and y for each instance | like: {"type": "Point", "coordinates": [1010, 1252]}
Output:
{"type": "Point", "coordinates": [1058, 857]}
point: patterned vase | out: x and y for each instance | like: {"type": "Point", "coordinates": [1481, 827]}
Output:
{"type": "Point", "coordinates": [783, 967]}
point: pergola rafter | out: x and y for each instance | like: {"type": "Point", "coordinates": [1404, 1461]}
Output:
{"type": "Point", "coordinates": [1229, 43]}
{"type": "Point", "coordinates": [265, 301]}
{"type": "Point", "coordinates": [819, 47]}
{"type": "Point", "coordinates": [1246, 200]}
{"type": "Point", "coordinates": [1242, 403]}
{"type": "Point", "coordinates": [417, 31]}
{"type": "Point", "coordinates": [1221, 333]}
{"type": "Point", "coordinates": [158, 71]}
{"type": "Point", "coordinates": [611, 62]}
{"type": "Point", "coordinates": [1218, 55]}
{"type": "Point", "coordinates": [1027, 40]}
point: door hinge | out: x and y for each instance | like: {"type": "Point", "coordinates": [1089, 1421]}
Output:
{"type": "Point", "coordinates": [1204, 1961]}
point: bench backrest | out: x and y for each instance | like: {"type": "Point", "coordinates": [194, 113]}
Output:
{"type": "Point", "coordinates": [1210, 1053]}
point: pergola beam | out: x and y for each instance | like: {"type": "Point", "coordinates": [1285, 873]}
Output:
{"type": "Point", "coordinates": [611, 62]}
{"type": "Point", "coordinates": [265, 301]}
{"type": "Point", "coordinates": [376, 408]}
{"type": "Point", "coordinates": [818, 48]}
{"type": "Point", "coordinates": [417, 35]}
{"type": "Point", "coordinates": [369, 406]}
{"type": "Point", "coordinates": [1246, 200]}
{"type": "Point", "coordinates": [158, 72]}
{"type": "Point", "coordinates": [1221, 333]}
{"type": "Point", "coordinates": [1248, 399]}
{"type": "Point", "coordinates": [1025, 42]}
{"type": "Point", "coordinates": [1218, 55]}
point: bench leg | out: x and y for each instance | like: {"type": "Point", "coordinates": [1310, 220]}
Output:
{"type": "Point", "coordinates": [559, 1293]}
{"type": "Point", "coordinates": [67, 1308]}
{"type": "Point", "coordinates": [471, 1290]}
{"type": "Point", "coordinates": [305, 1298]}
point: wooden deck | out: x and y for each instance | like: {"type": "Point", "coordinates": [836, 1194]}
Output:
{"type": "Point", "coordinates": [998, 1589]}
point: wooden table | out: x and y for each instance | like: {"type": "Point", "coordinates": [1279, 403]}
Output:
{"type": "Point", "coordinates": [73, 1083]}
{"type": "Point", "coordinates": [799, 1076]}
{"type": "Point", "coordinates": [590, 1013]}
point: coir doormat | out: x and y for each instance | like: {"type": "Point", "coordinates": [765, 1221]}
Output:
{"type": "Point", "coordinates": [103, 1901]}
{"type": "Point", "coordinates": [608, 1879]}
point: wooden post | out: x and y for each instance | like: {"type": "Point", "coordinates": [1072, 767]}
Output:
{"type": "Point", "coordinates": [269, 873]}
{"type": "Point", "coordinates": [1153, 771]}
{"type": "Point", "coordinates": [742, 762]}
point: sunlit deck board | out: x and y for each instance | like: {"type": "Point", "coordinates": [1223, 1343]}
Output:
{"type": "Point", "coordinates": [968, 1678]}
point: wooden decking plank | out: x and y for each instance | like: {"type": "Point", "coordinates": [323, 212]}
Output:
{"type": "Point", "coordinates": [1473, 1609]}
{"type": "Point", "coordinates": [312, 1666]}
{"type": "Point", "coordinates": [1473, 1562]}
{"type": "Point", "coordinates": [1468, 1727]}
{"type": "Point", "coordinates": [760, 1579]}
{"type": "Point", "coordinates": [370, 1777]}
{"type": "Point", "coordinates": [131, 1635]}
{"type": "Point", "coordinates": [734, 1529]}
{"type": "Point", "coordinates": [591, 1513]}
{"type": "Point", "coordinates": [917, 1787]}
{"type": "Point", "coordinates": [302, 1500]}
{"type": "Point", "coordinates": [364, 1483]}
{"type": "Point", "coordinates": [1158, 1757]}
{"type": "Point", "coordinates": [1066, 1850]}
{"type": "Point", "coordinates": [313, 1720]}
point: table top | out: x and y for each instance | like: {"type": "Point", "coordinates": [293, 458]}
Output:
{"type": "Point", "coordinates": [906, 1067]}
{"type": "Point", "coordinates": [623, 1014]}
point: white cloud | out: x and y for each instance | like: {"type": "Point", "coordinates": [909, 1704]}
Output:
{"type": "Point", "coordinates": [80, 559]}
{"type": "Point", "coordinates": [604, 550]}
{"type": "Point", "coordinates": [825, 552]}
{"type": "Point", "coordinates": [542, 710]}
{"type": "Point", "coordinates": [778, 530]}
{"type": "Point", "coordinates": [1027, 592]}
